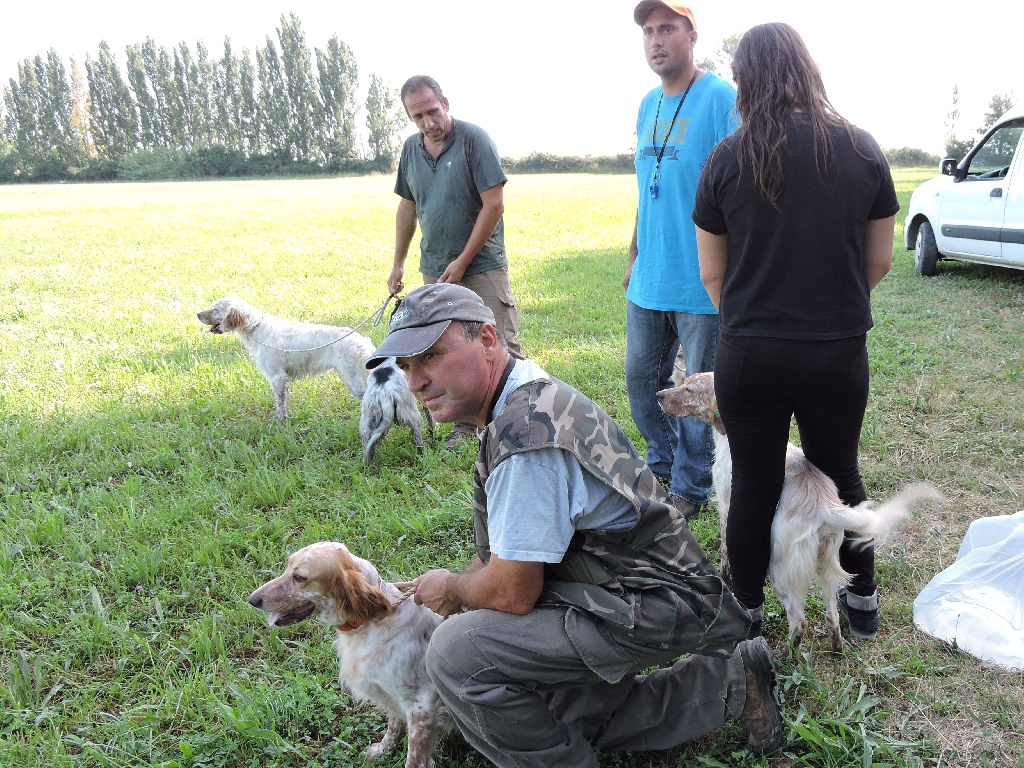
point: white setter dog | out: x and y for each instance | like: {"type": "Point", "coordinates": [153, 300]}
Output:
{"type": "Point", "coordinates": [808, 527]}
{"type": "Point", "coordinates": [388, 401]}
{"type": "Point", "coordinates": [381, 640]}
{"type": "Point", "coordinates": [284, 351]}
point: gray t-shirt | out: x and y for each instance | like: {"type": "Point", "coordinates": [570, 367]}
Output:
{"type": "Point", "coordinates": [447, 196]}
{"type": "Point", "coordinates": [551, 481]}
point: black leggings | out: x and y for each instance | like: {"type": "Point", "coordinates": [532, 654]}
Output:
{"type": "Point", "coordinates": [761, 384]}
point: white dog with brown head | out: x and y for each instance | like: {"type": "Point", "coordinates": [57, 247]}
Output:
{"type": "Point", "coordinates": [809, 524]}
{"type": "Point", "coordinates": [284, 350]}
{"type": "Point", "coordinates": [381, 639]}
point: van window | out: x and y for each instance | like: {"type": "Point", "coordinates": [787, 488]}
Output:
{"type": "Point", "coordinates": [993, 158]}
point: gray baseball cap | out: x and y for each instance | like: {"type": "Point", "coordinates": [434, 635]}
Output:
{"type": "Point", "coordinates": [424, 315]}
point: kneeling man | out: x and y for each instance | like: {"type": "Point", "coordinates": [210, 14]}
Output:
{"type": "Point", "coordinates": [584, 574]}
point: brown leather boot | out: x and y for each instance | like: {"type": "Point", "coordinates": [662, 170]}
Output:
{"type": "Point", "coordinates": [762, 711]}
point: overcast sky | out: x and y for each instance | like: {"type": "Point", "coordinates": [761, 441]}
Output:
{"type": "Point", "coordinates": [564, 77]}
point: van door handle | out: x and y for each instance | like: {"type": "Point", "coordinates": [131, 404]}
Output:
{"type": "Point", "coordinates": [997, 192]}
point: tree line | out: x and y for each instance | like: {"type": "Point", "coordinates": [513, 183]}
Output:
{"type": "Point", "coordinates": [185, 112]}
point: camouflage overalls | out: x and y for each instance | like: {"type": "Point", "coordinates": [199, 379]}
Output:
{"type": "Point", "coordinates": [540, 689]}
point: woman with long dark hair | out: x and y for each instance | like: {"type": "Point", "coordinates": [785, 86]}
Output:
{"type": "Point", "coordinates": [795, 216]}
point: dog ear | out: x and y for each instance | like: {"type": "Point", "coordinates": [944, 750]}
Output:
{"type": "Point", "coordinates": [235, 319]}
{"type": "Point", "coordinates": [356, 599]}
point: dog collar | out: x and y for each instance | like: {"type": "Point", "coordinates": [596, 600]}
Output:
{"type": "Point", "coordinates": [348, 626]}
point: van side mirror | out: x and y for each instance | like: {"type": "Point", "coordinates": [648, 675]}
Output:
{"type": "Point", "coordinates": [948, 166]}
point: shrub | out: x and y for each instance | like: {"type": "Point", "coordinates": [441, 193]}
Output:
{"type": "Point", "coordinates": [216, 160]}
{"type": "Point", "coordinates": [148, 164]}
{"type": "Point", "coordinates": [97, 169]}
{"type": "Point", "coordinates": [911, 157]}
{"type": "Point", "coordinates": [543, 162]}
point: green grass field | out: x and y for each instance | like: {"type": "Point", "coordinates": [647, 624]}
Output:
{"type": "Point", "coordinates": [146, 491]}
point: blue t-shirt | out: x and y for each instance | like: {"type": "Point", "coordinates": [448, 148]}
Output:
{"type": "Point", "coordinates": [666, 274]}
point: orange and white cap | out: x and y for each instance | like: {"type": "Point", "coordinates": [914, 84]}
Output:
{"type": "Point", "coordinates": [643, 10]}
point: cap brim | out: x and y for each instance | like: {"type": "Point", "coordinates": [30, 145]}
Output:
{"type": "Point", "coordinates": [408, 342]}
{"type": "Point", "coordinates": [644, 8]}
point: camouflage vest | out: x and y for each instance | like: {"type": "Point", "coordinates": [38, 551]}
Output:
{"type": "Point", "coordinates": [652, 583]}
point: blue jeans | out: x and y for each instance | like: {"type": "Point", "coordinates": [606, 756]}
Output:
{"type": "Point", "coordinates": [680, 449]}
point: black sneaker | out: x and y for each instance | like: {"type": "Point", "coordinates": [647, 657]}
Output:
{"type": "Point", "coordinates": [762, 711]}
{"type": "Point", "coordinates": [861, 614]}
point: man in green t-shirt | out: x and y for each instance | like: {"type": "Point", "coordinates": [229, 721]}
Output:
{"type": "Point", "coordinates": [451, 182]}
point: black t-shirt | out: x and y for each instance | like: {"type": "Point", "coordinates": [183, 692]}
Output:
{"type": "Point", "coordinates": [798, 272]}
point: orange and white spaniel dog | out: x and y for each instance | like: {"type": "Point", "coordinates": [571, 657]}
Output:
{"type": "Point", "coordinates": [381, 639]}
{"type": "Point", "coordinates": [809, 522]}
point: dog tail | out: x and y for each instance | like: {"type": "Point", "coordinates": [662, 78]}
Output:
{"type": "Point", "coordinates": [874, 524]}
{"type": "Point", "coordinates": [375, 420]}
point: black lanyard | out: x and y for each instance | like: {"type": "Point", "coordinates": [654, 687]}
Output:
{"type": "Point", "coordinates": [501, 384]}
{"type": "Point", "coordinates": [654, 132]}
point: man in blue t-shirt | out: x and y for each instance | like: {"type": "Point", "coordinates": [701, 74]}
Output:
{"type": "Point", "coordinates": [667, 308]}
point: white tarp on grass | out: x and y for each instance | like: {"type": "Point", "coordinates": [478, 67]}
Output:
{"type": "Point", "coordinates": [978, 602]}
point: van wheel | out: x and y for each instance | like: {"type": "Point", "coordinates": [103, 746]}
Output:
{"type": "Point", "coordinates": [926, 254]}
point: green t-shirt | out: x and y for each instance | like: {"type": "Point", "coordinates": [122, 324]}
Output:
{"type": "Point", "coordinates": [447, 196]}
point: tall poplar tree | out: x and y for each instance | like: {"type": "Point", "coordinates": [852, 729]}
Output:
{"type": "Point", "coordinates": [201, 86]}
{"type": "Point", "coordinates": [151, 129]}
{"type": "Point", "coordinates": [179, 108]}
{"type": "Point", "coordinates": [8, 156]}
{"type": "Point", "coordinates": [81, 110]}
{"type": "Point", "coordinates": [115, 123]}
{"type": "Point", "coordinates": [384, 119]}
{"type": "Point", "coordinates": [304, 110]}
{"type": "Point", "coordinates": [249, 125]}
{"type": "Point", "coordinates": [189, 112]}
{"type": "Point", "coordinates": [156, 63]}
{"type": "Point", "coordinates": [228, 99]}
{"type": "Point", "coordinates": [339, 81]}
{"type": "Point", "coordinates": [24, 99]}
{"type": "Point", "coordinates": [58, 118]}
{"type": "Point", "coordinates": [273, 102]}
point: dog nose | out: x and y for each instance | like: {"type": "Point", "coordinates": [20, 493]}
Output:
{"type": "Point", "coordinates": [255, 600]}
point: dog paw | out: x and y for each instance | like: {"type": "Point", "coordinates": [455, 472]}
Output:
{"type": "Point", "coordinates": [835, 639]}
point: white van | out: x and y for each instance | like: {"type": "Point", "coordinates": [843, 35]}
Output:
{"type": "Point", "coordinates": [974, 211]}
